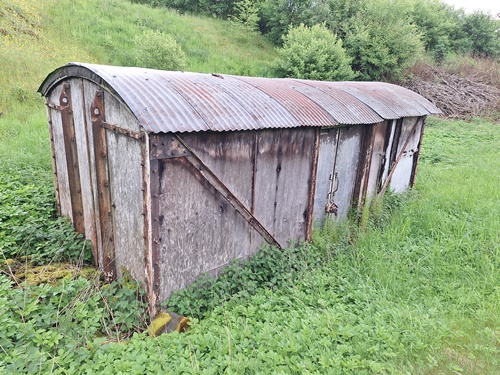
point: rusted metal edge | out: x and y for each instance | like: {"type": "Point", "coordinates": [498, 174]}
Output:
{"type": "Point", "coordinates": [71, 149]}
{"type": "Point", "coordinates": [104, 194]}
{"type": "Point", "coordinates": [166, 147]}
{"type": "Point", "coordinates": [117, 129]}
{"type": "Point", "coordinates": [416, 158]}
{"type": "Point", "coordinates": [312, 186]}
{"type": "Point", "coordinates": [213, 180]}
{"type": "Point", "coordinates": [389, 177]}
{"type": "Point", "coordinates": [54, 162]}
{"type": "Point", "coordinates": [155, 231]}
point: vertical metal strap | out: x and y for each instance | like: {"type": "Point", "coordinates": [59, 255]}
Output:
{"type": "Point", "coordinates": [97, 117]}
{"type": "Point", "coordinates": [70, 147]}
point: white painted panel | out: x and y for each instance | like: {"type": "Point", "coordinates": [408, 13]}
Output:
{"type": "Point", "coordinates": [60, 154]}
{"type": "Point", "coordinates": [326, 162]}
{"type": "Point", "coordinates": [80, 122]}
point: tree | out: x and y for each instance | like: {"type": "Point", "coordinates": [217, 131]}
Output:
{"type": "Point", "coordinates": [382, 40]}
{"type": "Point", "coordinates": [312, 53]}
{"type": "Point", "coordinates": [482, 33]}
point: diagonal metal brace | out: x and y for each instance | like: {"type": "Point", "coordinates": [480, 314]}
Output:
{"type": "Point", "coordinates": [227, 194]}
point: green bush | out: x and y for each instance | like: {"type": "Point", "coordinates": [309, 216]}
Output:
{"type": "Point", "coordinates": [157, 50]}
{"type": "Point", "coordinates": [312, 53]}
{"type": "Point", "coordinates": [383, 41]}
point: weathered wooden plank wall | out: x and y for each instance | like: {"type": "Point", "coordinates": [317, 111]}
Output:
{"type": "Point", "coordinates": [402, 176]}
{"type": "Point", "coordinates": [63, 189]}
{"type": "Point", "coordinates": [125, 177]}
{"type": "Point", "coordinates": [80, 121]}
{"type": "Point", "coordinates": [199, 230]}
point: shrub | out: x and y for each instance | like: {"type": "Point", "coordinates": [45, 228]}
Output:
{"type": "Point", "coordinates": [157, 50]}
{"type": "Point", "coordinates": [312, 53]}
{"type": "Point", "coordinates": [383, 41]}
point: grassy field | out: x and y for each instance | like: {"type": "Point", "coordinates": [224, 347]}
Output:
{"type": "Point", "coordinates": [414, 291]}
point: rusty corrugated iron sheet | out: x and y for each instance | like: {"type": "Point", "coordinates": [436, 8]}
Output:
{"type": "Point", "coordinates": [343, 107]}
{"type": "Point", "coordinates": [166, 101]}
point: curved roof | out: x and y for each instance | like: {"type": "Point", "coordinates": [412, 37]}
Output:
{"type": "Point", "coordinates": [166, 101]}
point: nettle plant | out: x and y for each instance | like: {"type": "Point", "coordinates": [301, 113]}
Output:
{"type": "Point", "coordinates": [29, 225]}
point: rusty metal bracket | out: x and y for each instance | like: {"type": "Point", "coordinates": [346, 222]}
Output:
{"type": "Point", "coordinates": [119, 130]}
{"type": "Point", "coordinates": [400, 156]}
{"type": "Point", "coordinates": [227, 194]}
{"type": "Point", "coordinates": [53, 106]}
{"type": "Point", "coordinates": [167, 147]}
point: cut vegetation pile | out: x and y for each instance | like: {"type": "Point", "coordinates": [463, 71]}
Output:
{"type": "Point", "coordinates": [463, 92]}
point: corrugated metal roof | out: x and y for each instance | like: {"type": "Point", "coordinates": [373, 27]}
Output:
{"type": "Point", "coordinates": [166, 101]}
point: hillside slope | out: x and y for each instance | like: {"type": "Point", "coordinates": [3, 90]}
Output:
{"type": "Point", "coordinates": [40, 35]}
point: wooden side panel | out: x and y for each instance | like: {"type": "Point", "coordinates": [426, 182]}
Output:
{"type": "Point", "coordinates": [125, 177]}
{"type": "Point", "coordinates": [326, 164]}
{"type": "Point", "coordinates": [402, 176]}
{"type": "Point", "coordinates": [199, 230]}
{"type": "Point", "coordinates": [89, 90]}
{"type": "Point", "coordinates": [346, 166]}
{"type": "Point", "coordinates": [63, 188]}
{"type": "Point", "coordinates": [229, 156]}
{"type": "Point", "coordinates": [81, 124]}
{"type": "Point", "coordinates": [50, 113]}
{"type": "Point", "coordinates": [377, 159]}
{"type": "Point", "coordinates": [282, 181]}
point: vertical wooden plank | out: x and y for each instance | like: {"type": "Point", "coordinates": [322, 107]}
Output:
{"type": "Point", "coordinates": [294, 177]}
{"type": "Point", "coordinates": [103, 188]}
{"type": "Point", "coordinates": [416, 157]}
{"type": "Point", "coordinates": [312, 186]}
{"type": "Point", "coordinates": [326, 165]}
{"type": "Point", "coordinates": [229, 157]}
{"type": "Point", "coordinates": [89, 90]}
{"type": "Point", "coordinates": [365, 158]}
{"type": "Point", "coordinates": [391, 141]}
{"type": "Point", "coordinates": [282, 181]}
{"type": "Point", "coordinates": [50, 113]}
{"type": "Point", "coordinates": [147, 215]}
{"type": "Point", "coordinates": [377, 159]}
{"type": "Point", "coordinates": [158, 247]}
{"type": "Point", "coordinates": [125, 180]}
{"type": "Point", "coordinates": [266, 176]}
{"type": "Point", "coordinates": [401, 178]}
{"type": "Point", "coordinates": [199, 230]}
{"type": "Point", "coordinates": [346, 167]}
{"type": "Point", "coordinates": [70, 146]}
{"type": "Point", "coordinates": [63, 188]}
{"type": "Point", "coordinates": [80, 127]}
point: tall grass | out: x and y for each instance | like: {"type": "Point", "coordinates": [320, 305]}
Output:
{"type": "Point", "coordinates": [40, 35]}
